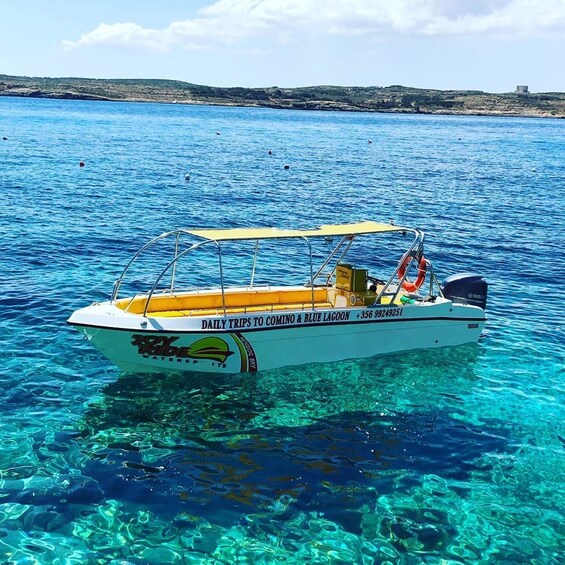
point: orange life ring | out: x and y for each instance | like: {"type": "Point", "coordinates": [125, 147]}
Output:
{"type": "Point", "coordinates": [406, 283]}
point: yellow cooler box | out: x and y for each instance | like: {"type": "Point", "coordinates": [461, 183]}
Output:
{"type": "Point", "coordinates": [351, 279]}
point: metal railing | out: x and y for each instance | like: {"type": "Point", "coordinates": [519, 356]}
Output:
{"type": "Point", "coordinates": [389, 289]}
{"type": "Point", "coordinates": [172, 265]}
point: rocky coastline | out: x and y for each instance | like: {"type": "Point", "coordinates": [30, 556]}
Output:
{"type": "Point", "coordinates": [398, 99]}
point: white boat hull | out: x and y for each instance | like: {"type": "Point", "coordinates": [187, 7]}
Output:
{"type": "Point", "coordinates": [268, 340]}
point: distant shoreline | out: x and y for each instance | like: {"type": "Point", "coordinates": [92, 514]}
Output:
{"type": "Point", "coordinates": [390, 99]}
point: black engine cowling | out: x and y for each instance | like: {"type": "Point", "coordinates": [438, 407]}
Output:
{"type": "Point", "coordinates": [466, 287]}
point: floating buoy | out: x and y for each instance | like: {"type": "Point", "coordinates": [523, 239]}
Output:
{"type": "Point", "coordinates": [287, 166]}
{"type": "Point", "coordinates": [187, 177]}
{"type": "Point", "coordinates": [81, 164]}
{"type": "Point", "coordinates": [269, 152]}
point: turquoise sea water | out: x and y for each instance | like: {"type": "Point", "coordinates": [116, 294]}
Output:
{"type": "Point", "coordinates": [446, 456]}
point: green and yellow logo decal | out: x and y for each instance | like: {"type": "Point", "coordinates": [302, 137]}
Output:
{"type": "Point", "coordinates": [212, 348]}
{"type": "Point", "coordinates": [209, 348]}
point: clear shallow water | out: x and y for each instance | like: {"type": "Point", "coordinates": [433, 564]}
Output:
{"type": "Point", "coordinates": [455, 454]}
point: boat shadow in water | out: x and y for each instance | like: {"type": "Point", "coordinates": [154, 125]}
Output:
{"type": "Point", "coordinates": [218, 449]}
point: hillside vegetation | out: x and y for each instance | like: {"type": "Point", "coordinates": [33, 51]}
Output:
{"type": "Point", "coordinates": [356, 98]}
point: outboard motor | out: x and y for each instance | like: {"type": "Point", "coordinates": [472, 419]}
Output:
{"type": "Point", "coordinates": [468, 288]}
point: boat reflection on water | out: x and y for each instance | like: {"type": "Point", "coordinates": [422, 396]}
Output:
{"type": "Point", "coordinates": [311, 392]}
{"type": "Point", "coordinates": [218, 446]}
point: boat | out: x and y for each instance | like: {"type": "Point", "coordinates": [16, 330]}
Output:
{"type": "Point", "coordinates": [329, 303]}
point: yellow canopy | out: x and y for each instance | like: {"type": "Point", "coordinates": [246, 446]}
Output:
{"type": "Point", "coordinates": [274, 233]}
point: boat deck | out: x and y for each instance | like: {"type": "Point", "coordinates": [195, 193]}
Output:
{"type": "Point", "coordinates": [240, 301]}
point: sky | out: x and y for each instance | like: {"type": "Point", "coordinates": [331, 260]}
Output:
{"type": "Point", "coordinates": [489, 45]}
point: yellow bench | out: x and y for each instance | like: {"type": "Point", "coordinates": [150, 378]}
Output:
{"type": "Point", "coordinates": [236, 302]}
